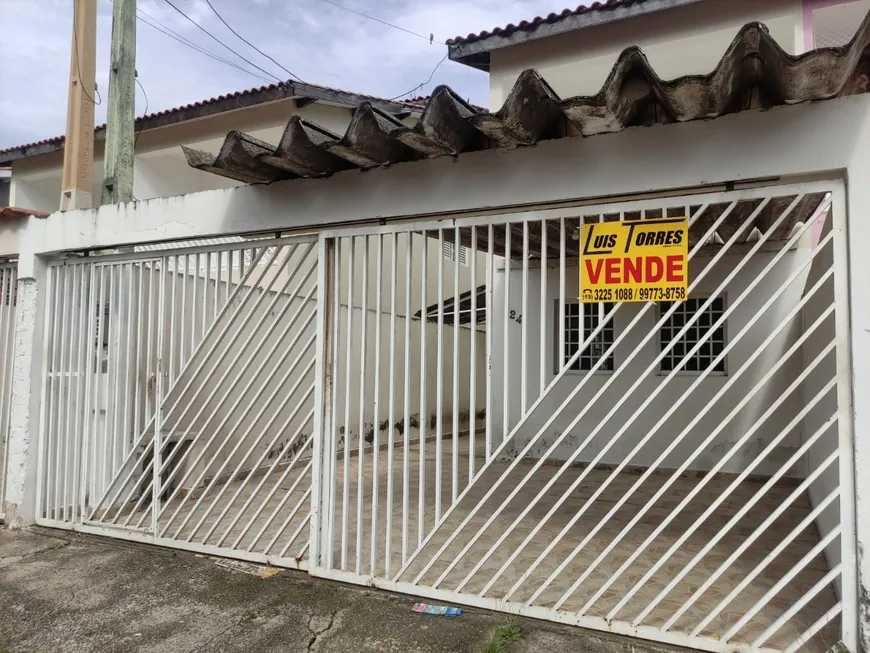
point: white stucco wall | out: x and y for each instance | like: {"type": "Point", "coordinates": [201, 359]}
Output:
{"type": "Point", "coordinates": [672, 388]}
{"type": "Point", "coordinates": [10, 229]}
{"type": "Point", "coordinates": [829, 480]}
{"type": "Point", "coordinates": [682, 41]}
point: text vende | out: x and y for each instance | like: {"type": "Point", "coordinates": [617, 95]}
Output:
{"type": "Point", "coordinates": [615, 270]}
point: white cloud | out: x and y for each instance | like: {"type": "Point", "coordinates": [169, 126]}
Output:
{"type": "Point", "coordinates": [321, 43]}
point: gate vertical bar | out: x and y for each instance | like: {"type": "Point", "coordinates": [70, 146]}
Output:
{"type": "Point", "coordinates": [505, 354]}
{"type": "Point", "coordinates": [96, 475]}
{"type": "Point", "coordinates": [391, 401]}
{"type": "Point", "coordinates": [454, 408]}
{"type": "Point", "coordinates": [78, 433]}
{"type": "Point", "coordinates": [406, 397]}
{"type": "Point", "coordinates": [524, 325]}
{"type": "Point", "coordinates": [156, 489]}
{"type": "Point", "coordinates": [560, 355]}
{"type": "Point", "coordinates": [323, 389]}
{"type": "Point", "coordinates": [113, 355]}
{"type": "Point", "coordinates": [376, 418]}
{"type": "Point", "coordinates": [424, 420]}
{"type": "Point", "coordinates": [172, 318]}
{"type": "Point", "coordinates": [87, 371]}
{"type": "Point", "coordinates": [439, 380]}
{"type": "Point", "coordinates": [70, 469]}
{"type": "Point", "coordinates": [490, 266]}
{"type": "Point", "coordinates": [360, 484]}
{"type": "Point", "coordinates": [345, 486]}
{"type": "Point", "coordinates": [848, 539]}
{"type": "Point", "coordinates": [472, 392]}
{"type": "Point", "coordinates": [329, 436]}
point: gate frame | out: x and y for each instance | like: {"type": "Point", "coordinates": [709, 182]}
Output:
{"type": "Point", "coordinates": [839, 215]}
{"type": "Point", "coordinates": [7, 347]}
{"type": "Point", "coordinates": [324, 387]}
{"type": "Point", "coordinates": [142, 536]}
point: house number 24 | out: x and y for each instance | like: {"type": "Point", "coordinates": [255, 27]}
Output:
{"type": "Point", "coordinates": [516, 317]}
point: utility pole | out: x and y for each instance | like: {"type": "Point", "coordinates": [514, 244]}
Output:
{"type": "Point", "coordinates": [120, 121]}
{"type": "Point", "coordinates": [78, 152]}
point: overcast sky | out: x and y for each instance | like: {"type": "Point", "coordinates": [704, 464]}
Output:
{"type": "Point", "coordinates": [317, 41]}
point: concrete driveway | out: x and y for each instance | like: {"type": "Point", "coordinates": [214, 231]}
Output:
{"type": "Point", "coordinates": [68, 592]}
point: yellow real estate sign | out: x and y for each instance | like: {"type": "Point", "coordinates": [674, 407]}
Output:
{"type": "Point", "coordinates": [636, 261]}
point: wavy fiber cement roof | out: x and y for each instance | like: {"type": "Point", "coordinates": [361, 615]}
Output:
{"type": "Point", "coordinates": [754, 73]}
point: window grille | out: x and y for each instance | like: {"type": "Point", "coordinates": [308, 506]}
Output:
{"type": "Point", "coordinates": [580, 323]}
{"type": "Point", "coordinates": [703, 358]}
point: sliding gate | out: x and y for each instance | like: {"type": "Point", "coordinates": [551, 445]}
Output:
{"type": "Point", "coordinates": [678, 471]}
{"type": "Point", "coordinates": [426, 407]}
{"type": "Point", "coordinates": [180, 396]}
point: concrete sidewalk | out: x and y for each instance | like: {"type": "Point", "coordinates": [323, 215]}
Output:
{"type": "Point", "coordinates": [68, 592]}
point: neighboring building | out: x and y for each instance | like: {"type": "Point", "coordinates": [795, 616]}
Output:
{"type": "Point", "coordinates": [160, 168]}
{"type": "Point", "coordinates": [575, 50]}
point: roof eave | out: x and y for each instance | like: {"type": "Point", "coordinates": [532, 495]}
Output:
{"type": "Point", "coordinates": [291, 90]}
{"type": "Point", "coordinates": [754, 73]}
{"type": "Point", "coordinates": [476, 53]}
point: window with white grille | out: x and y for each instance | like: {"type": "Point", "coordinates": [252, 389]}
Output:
{"type": "Point", "coordinates": [580, 323]}
{"type": "Point", "coordinates": [449, 252]}
{"type": "Point", "coordinates": [712, 346]}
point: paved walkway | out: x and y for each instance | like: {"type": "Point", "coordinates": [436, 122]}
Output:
{"type": "Point", "coordinates": [66, 592]}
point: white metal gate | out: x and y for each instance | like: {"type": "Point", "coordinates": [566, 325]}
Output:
{"type": "Point", "coordinates": [426, 407]}
{"type": "Point", "coordinates": [179, 388]}
{"type": "Point", "coordinates": [8, 303]}
{"type": "Point", "coordinates": [676, 471]}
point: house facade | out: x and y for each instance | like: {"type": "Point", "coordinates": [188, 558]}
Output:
{"type": "Point", "coordinates": [296, 391]}
{"type": "Point", "coordinates": [160, 166]}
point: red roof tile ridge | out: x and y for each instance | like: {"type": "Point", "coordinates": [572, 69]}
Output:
{"type": "Point", "coordinates": [552, 17]}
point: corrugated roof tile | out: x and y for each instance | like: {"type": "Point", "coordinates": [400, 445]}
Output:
{"type": "Point", "coordinates": [754, 73]}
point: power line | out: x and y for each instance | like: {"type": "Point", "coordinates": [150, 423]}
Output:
{"type": "Point", "coordinates": [419, 86]}
{"type": "Point", "coordinates": [144, 113]}
{"type": "Point", "coordinates": [175, 36]}
{"type": "Point", "coordinates": [429, 38]}
{"type": "Point", "coordinates": [221, 19]}
{"type": "Point", "coordinates": [217, 40]}
{"type": "Point", "coordinates": [165, 31]}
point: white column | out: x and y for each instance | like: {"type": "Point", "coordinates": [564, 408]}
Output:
{"type": "Point", "coordinates": [858, 230]}
{"type": "Point", "coordinates": [26, 389]}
